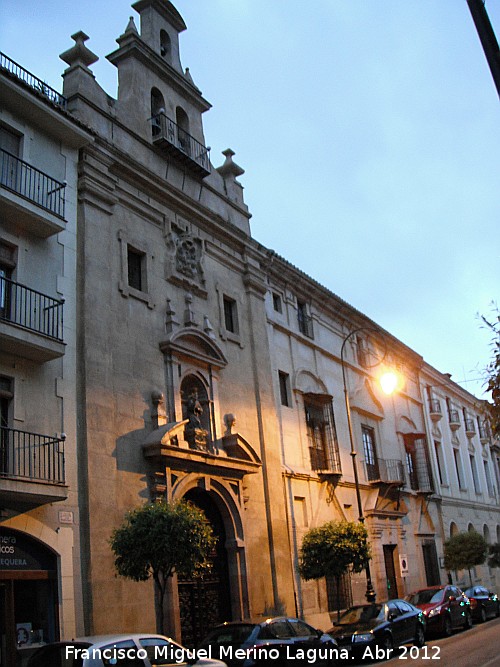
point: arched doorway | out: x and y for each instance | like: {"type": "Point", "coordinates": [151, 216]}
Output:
{"type": "Point", "coordinates": [205, 602]}
{"type": "Point", "coordinates": [28, 596]}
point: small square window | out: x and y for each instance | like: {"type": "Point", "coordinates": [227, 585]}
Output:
{"type": "Point", "coordinates": [135, 267]}
{"type": "Point", "coordinates": [284, 381]}
{"type": "Point", "coordinates": [230, 315]}
{"type": "Point", "coordinates": [277, 305]}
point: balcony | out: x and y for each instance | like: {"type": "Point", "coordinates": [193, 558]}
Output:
{"type": "Point", "coordinates": [325, 461]}
{"type": "Point", "coordinates": [419, 476]}
{"type": "Point", "coordinates": [180, 145]}
{"type": "Point", "coordinates": [484, 433]}
{"type": "Point", "coordinates": [470, 428]}
{"type": "Point", "coordinates": [29, 198]}
{"type": "Point", "coordinates": [435, 409]}
{"type": "Point", "coordinates": [38, 86]}
{"type": "Point", "coordinates": [31, 323]}
{"type": "Point", "coordinates": [454, 419]}
{"type": "Point", "coordinates": [385, 471]}
{"type": "Point", "coordinates": [31, 469]}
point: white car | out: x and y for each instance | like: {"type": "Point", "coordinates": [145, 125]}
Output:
{"type": "Point", "coordinates": [134, 650]}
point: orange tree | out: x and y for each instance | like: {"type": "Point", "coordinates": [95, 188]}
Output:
{"type": "Point", "coordinates": [464, 551]}
{"type": "Point", "coordinates": [161, 538]}
{"type": "Point", "coordinates": [333, 549]}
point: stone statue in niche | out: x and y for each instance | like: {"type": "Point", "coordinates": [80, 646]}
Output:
{"type": "Point", "coordinates": [194, 433]}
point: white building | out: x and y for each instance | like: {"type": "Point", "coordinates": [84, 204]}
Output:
{"type": "Point", "coordinates": [465, 463]}
{"type": "Point", "coordinates": [39, 537]}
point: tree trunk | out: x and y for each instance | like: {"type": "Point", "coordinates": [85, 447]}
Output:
{"type": "Point", "coordinates": [159, 600]}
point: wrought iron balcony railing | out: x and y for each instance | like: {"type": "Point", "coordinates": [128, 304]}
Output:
{"type": "Point", "coordinates": [30, 309]}
{"type": "Point", "coordinates": [388, 471]}
{"type": "Point", "coordinates": [419, 476]}
{"type": "Point", "coordinates": [325, 460]}
{"type": "Point", "coordinates": [31, 456]}
{"type": "Point", "coordinates": [31, 183]}
{"type": "Point", "coordinates": [484, 431]}
{"type": "Point", "coordinates": [435, 406]}
{"type": "Point", "coordinates": [32, 81]}
{"type": "Point", "coordinates": [175, 139]}
{"type": "Point", "coordinates": [453, 418]}
{"type": "Point", "coordinates": [470, 427]}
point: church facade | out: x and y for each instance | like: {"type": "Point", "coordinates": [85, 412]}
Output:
{"type": "Point", "coordinates": [208, 368]}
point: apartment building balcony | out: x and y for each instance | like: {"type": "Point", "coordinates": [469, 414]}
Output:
{"type": "Point", "coordinates": [29, 198]}
{"type": "Point", "coordinates": [31, 469]}
{"type": "Point", "coordinates": [179, 144]}
{"type": "Point", "coordinates": [470, 428]}
{"type": "Point", "coordinates": [484, 433]}
{"type": "Point", "coordinates": [454, 419]}
{"type": "Point", "coordinates": [435, 409]}
{"type": "Point", "coordinates": [37, 86]}
{"type": "Point", "coordinates": [385, 472]}
{"type": "Point", "coordinates": [31, 323]}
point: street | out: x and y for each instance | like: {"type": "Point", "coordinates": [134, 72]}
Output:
{"type": "Point", "coordinates": [478, 647]}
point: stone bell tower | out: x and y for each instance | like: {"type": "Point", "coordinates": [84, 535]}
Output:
{"type": "Point", "coordinates": [156, 97]}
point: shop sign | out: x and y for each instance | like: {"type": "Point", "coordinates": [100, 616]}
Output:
{"type": "Point", "coordinates": [21, 552]}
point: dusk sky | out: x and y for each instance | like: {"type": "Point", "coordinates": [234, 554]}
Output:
{"type": "Point", "coordinates": [369, 135]}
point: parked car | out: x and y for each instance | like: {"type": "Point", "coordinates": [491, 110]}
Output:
{"type": "Point", "coordinates": [270, 642]}
{"type": "Point", "coordinates": [137, 650]}
{"type": "Point", "coordinates": [483, 603]}
{"type": "Point", "coordinates": [364, 628]}
{"type": "Point", "coordinates": [445, 607]}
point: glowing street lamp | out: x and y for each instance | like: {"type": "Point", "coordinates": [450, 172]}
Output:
{"type": "Point", "coordinates": [389, 381]}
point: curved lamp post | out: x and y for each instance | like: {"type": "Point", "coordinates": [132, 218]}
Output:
{"type": "Point", "coordinates": [389, 383]}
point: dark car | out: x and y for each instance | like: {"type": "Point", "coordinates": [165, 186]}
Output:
{"type": "Point", "coordinates": [483, 603]}
{"type": "Point", "coordinates": [271, 642]}
{"type": "Point", "coordinates": [374, 630]}
{"type": "Point", "coordinates": [445, 607]}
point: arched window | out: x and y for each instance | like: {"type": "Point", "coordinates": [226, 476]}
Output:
{"type": "Point", "coordinates": [470, 528]}
{"type": "Point", "coordinates": [157, 102]}
{"type": "Point", "coordinates": [453, 529]}
{"type": "Point", "coordinates": [165, 45]}
{"type": "Point", "coordinates": [158, 118]}
{"type": "Point", "coordinates": [486, 534]}
{"type": "Point", "coordinates": [183, 136]}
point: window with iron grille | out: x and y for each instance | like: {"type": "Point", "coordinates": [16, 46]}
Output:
{"type": "Point", "coordinates": [304, 319]}
{"type": "Point", "coordinates": [339, 592]}
{"type": "Point", "coordinates": [321, 433]}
